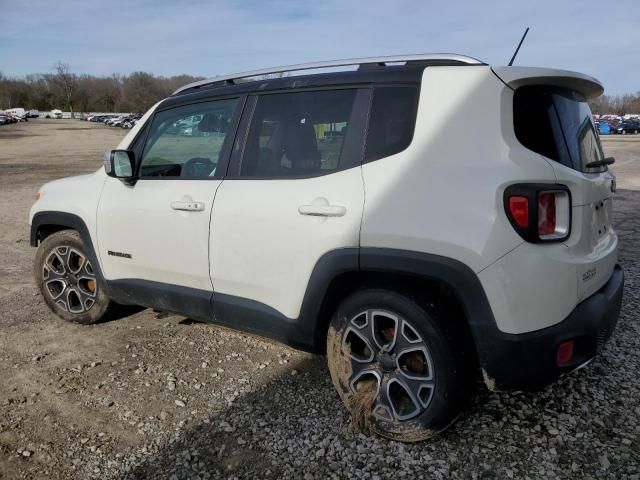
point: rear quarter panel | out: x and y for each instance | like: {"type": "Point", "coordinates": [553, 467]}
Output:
{"type": "Point", "coordinates": [443, 194]}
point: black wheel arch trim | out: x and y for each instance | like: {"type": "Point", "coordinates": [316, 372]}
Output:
{"type": "Point", "coordinates": [459, 277]}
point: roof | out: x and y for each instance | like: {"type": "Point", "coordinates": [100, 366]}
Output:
{"type": "Point", "coordinates": [433, 58]}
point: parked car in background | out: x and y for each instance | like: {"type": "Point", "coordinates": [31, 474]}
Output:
{"type": "Point", "coordinates": [121, 121]}
{"type": "Point", "coordinates": [54, 114]}
{"type": "Point", "coordinates": [18, 112]}
{"type": "Point", "coordinates": [114, 122]}
{"type": "Point", "coordinates": [131, 121]}
{"type": "Point", "coordinates": [33, 113]}
{"type": "Point", "coordinates": [15, 118]}
{"type": "Point", "coordinates": [604, 128]}
{"type": "Point", "coordinates": [6, 119]}
{"type": "Point", "coordinates": [111, 119]}
{"type": "Point", "coordinates": [628, 126]}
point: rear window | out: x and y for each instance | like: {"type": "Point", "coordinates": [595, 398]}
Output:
{"type": "Point", "coordinates": [391, 121]}
{"type": "Point", "coordinates": [557, 123]}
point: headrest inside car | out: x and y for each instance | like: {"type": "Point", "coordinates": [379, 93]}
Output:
{"type": "Point", "coordinates": [213, 122]}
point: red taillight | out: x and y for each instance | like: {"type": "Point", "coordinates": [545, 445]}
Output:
{"type": "Point", "coordinates": [539, 212]}
{"type": "Point", "coordinates": [519, 209]}
{"type": "Point", "coordinates": [546, 213]}
{"type": "Point", "coordinates": [564, 354]}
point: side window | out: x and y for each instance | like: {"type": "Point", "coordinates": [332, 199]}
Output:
{"type": "Point", "coordinates": [537, 125]}
{"type": "Point", "coordinates": [391, 121]}
{"type": "Point", "coordinates": [297, 134]}
{"type": "Point", "coordinates": [187, 141]}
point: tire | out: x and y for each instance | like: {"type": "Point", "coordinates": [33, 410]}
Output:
{"type": "Point", "coordinates": [394, 367]}
{"type": "Point", "coordinates": [67, 281]}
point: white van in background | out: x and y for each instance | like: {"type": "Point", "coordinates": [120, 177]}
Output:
{"type": "Point", "coordinates": [18, 112]}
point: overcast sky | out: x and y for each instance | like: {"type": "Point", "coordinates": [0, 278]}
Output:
{"type": "Point", "coordinates": [214, 37]}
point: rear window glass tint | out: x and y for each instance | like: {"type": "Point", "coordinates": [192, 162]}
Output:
{"type": "Point", "coordinates": [391, 121]}
{"type": "Point", "coordinates": [556, 123]}
{"type": "Point", "coordinates": [578, 128]}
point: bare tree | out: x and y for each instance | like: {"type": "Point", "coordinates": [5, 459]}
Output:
{"type": "Point", "coordinates": [66, 81]}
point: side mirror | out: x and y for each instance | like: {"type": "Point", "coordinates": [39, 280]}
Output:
{"type": "Point", "coordinates": [120, 164]}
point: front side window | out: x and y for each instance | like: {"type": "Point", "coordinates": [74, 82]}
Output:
{"type": "Point", "coordinates": [297, 134]}
{"type": "Point", "coordinates": [187, 141]}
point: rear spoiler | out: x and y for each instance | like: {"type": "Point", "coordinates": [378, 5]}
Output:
{"type": "Point", "coordinates": [516, 77]}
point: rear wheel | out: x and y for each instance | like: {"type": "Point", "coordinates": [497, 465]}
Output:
{"type": "Point", "coordinates": [67, 280]}
{"type": "Point", "coordinates": [394, 367]}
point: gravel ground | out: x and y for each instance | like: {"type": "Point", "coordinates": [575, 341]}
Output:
{"type": "Point", "coordinates": [153, 396]}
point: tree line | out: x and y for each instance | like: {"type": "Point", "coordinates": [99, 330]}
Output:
{"type": "Point", "coordinates": [72, 92]}
{"type": "Point", "coordinates": [616, 104]}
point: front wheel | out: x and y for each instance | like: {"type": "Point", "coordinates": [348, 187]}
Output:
{"type": "Point", "coordinates": [394, 367]}
{"type": "Point", "coordinates": [67, 280]}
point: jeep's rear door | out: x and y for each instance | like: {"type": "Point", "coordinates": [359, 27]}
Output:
{"type": "Point", "coordinates": [293, 193]}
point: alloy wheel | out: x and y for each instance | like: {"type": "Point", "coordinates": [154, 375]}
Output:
{"type": "Point", "coordinates": [69, 279]}
{"type": "Point", "coordinates": [389, 356]}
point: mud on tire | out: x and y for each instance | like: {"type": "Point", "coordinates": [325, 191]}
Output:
{"type": "Point", "coordinates": [393, 366]}
{"type": "Point", "coordinates": [67, 279]}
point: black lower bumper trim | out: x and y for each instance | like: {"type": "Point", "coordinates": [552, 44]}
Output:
{"type": "Point", "coordinates": [528, 361]}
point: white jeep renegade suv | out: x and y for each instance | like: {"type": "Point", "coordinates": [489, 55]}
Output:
{"type": "Point", "coordinates": [420, 219]}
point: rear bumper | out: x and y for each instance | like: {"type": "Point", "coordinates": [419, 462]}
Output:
{"type": "Point", "coordinates": [528, 361]}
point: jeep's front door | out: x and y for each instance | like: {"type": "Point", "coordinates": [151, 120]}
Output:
{"type": "Point", "coordinates": [294, 192]}
{"type": "Point", "coordinates": [154, 236]}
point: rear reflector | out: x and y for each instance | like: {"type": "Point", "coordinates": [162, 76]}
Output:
{"type": "Point", "coordinates": [554, 215]}
{"type": "Point", "coordinates": [546, 213]}
{"type": "Point", "coordinates": [519, 209]}
{"type": "Point", "coordinates": [564, 354]}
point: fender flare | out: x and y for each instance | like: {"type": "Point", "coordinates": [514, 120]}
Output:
{"type": "Point", "coordinates": [69, 221]}
{"type": "Point", "coordinates": [460, 278]}
{"type": "Point", "coordinates": [455, 274]}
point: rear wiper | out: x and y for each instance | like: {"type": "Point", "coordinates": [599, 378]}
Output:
{"type": "Point", "coordinates": [601, 163]}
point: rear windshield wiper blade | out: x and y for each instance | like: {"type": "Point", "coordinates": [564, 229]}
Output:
{"type": "Point", "coordinates": [601, 163]}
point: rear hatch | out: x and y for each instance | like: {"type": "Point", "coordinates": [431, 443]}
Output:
{"type": "Point", "coordinates": [552, 117]}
